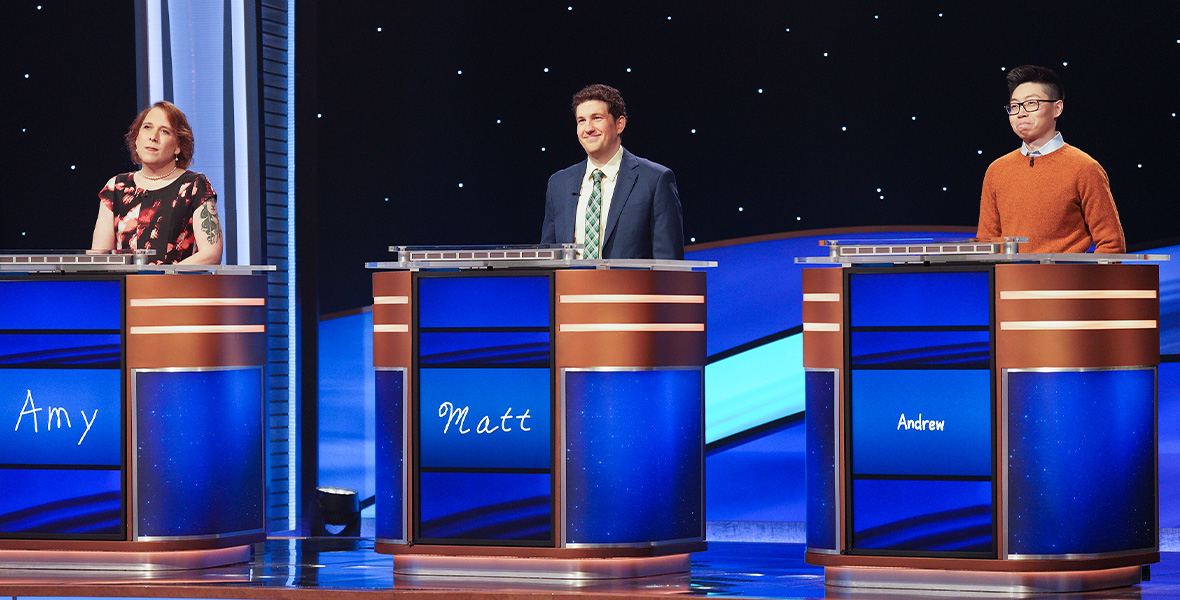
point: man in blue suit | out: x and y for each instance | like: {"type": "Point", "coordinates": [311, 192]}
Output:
{"type": "Point", "coordinates": [617, 204]}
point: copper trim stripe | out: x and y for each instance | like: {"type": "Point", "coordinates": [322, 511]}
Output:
{"type": "Point", "coordinates": [154, 329]}
{"type": "Point", "coordinates": [1065, 325]}
{"type": "Point", "coordinates": [591, 327]}
{"type": "Point", "coordinates": [821, 297]}
{"type": "Point", "coordinates": [391, 328]}
{"type": "Point", "coordinates": [152, 302]}
{"type": "Point", "coordinates": [391, 300]}
{"type": "Point", "coordinates": [821, 327]}
{"type": "Point", "coordinates": [1077, 294]}
{"type": "Point", "coordinates": [631, 298]}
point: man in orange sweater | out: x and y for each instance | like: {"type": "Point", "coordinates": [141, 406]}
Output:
{"type": "Point", "coordinates": [1048, 191]}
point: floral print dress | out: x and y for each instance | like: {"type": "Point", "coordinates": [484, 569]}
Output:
{"type": "Point", "coordinates": [157, 219]}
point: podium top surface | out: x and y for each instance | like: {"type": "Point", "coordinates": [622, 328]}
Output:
{"type": "Point", "coordinates": [113, 261]}
{"type": "Point", "coordinates": [930, 251]}
{"type": "Point", "coordinates": [556, 256]}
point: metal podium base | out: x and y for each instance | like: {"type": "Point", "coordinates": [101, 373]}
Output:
{"type": "Point", "coordinates": [569, 569]}
{"type": "Point", "coordinates": [71, 560]}
{"type": "Point", "coordinates": [982, 581]}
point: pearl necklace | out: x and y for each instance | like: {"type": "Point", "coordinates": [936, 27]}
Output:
{"type": "Point", "coordinates": [150, 178]}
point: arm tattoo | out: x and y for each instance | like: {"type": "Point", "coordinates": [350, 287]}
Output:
{"type": "Point", "coordinates": [209, 222]}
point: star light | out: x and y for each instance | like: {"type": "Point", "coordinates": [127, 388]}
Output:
{"type": "Point", "coordinates": [882, 196]}
{"type": "Point", "coordinates": [546, 69]}
{"type": "Point", "coordinates": [497, 121]}
{"type": "Point", "coordinates": [319, 115]}
{"type": "Point", "coordinates": [1140, 166]}
{"type": "Point", "coordinates": [628, 69]}
{"type": "Point", "coordinates": [944, 188]}
{"type": "Point", "coordinates": [26, 75]}
{"type": "Point", "coordinates": [740, 209]}
{"type": "Point", "coordinates": [542, 148]}
{"type": "Point", "coordinates": [825, 53]}
{"type": "Point", "coordinates": [798, 218]}
{"type": "Point", "coordinates": [460, 185]}
{"type": "Point", "coordinates": [914, 118]}
{"type": "Point", "coordinates": [692, 130]}
{"type": "Point", "coordinates": [460, 72]}
{"type": "Point", "coordinates": [387, 199]}
{"type": "Point", "coordinates": [569, 8]}
{"type": "Point", "coordinates": [979, 151]}
{"type": "Point", "coordinates": [789, 29]}
{"type": "Point", "coordinates": [669, 17]}
{"type": "Point", "coordinates": [878, 190]}
{"type": "Point", "coordinates": [940, 15]}
{"type": "Point", "coordinates": [843, 129]}
{"type": "Point", "coordinates": [692, 239]}
{"type": "Point", "coordinates": [72, 167]}
{"type": "Point", "coordinates": [759, 90]}
{"type": "Point", "coordinates": [1065, 64]}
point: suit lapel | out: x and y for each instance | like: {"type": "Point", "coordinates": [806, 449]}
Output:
{"type": "Point", "coordinates": [623, 186]}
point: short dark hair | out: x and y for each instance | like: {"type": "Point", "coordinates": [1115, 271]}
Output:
{"type": "Point", "coordinates": [1035, 74]}
{"type": "Point", "coordinates": [180, 128]}
{"type": "Point", "coordinates": [614, 101]}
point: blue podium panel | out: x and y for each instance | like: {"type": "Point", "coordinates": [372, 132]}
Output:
{"type": "Point", "coordinates": [391, 401]}
{"type": "Point", "coordinates": [194, 430]}
{"type": "Point", "coordinates": [1081, 461]}
{"type": "Point", "coordinates": [60, 359]}
{"type": "Point", "coordinates": [821, 460]}
{"type": "Point", "coordinates": [483, 422]}
{"type": "Point", "coordinates": [919, 406]}
{"type": "Point", "coordinates": [618, 490]}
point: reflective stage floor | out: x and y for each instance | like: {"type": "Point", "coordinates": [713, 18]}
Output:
{"type": "Point", "coordinates": [301, 569]}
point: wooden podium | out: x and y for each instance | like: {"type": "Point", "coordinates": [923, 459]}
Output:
{"type": "Point", "coordinates": [137, 395]}
{"type": "Point", "coordinates": [538, 415]}
{"type": "Point", "coordinates": [979, 420]}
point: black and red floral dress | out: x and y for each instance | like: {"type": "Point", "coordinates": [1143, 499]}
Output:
{"type": "Point", "coordinates": [158, 219]}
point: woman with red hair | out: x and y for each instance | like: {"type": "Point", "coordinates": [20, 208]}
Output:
{"type": "Point", "coordinates": [163, 206]}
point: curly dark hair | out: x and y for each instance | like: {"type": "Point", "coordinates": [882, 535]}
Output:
{"type": "Point", "coordinates": [614, 101]}
{"type": "Point", "coordinates": [180, 128]}
{"type": "Point", "coordinates": [1034, 74]}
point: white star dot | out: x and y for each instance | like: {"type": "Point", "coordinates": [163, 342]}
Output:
{"type": "Point", "coordinates": [460, 72]}
{"type": "Point", "coordinates": [669, 17]}
{"type": "Point", "coordinates": [1003, 68]}
{"type": "Point", "coordinates": [944, 188]}
{"type": "Point", "coordinates": [497, 121]}
{"type": "Point", "coordinates": [914, 118]}
{"type": "Point", "coordinates": [1140, 166]}
{"type": "Point", "coordinates": [319, 115]}
{"type": "Point", "coordinates": [882, 196]}
{"type": "Point", "coordinates": [878, 190]}
{"type": "Point", "coordinates": [876, 16]}
{"type": "Point", "coordinates": [546, 69]}
{"type": "Point", "coordinates": [843, 129]}
{"type": "Point", "coordinates": [759, 90]}
{"type": "Point", "coordinates": [740, 209]}
{"type": "Point", "coordinates": [825, 53]}
{"type": "Point", "coordinates": [26, 75]}
{"type": "Point", "coordinates": [692, 239]}
{"type": "Point", "coordinates": [542, 148]}
{"type": "Point", "coordinates": [979, 151]}
{"type": "Point", "coordinates": [569, 8]}
{"type": "Point", "coordinates": [22, 129]}
{"type": "Point", "coordinates": [378, 30]}
{"type": "Point", "coordinates": [387, 199]}
{"type": "Point", "coordinates": [460, 185]}
{"type": "Point", "coordinates": [693, 131]}
{"type": "Point", "coordinates": [940, 15]}
{"type": "Point", "coordinates": [1065, 64]}
{"type": "Point", "coordinates": [789, 29]}
{"type": "Point", "coordinates": [628, 69]}
{"type": "Point", "coordinates": [72, 167]}
{"type": "Point", "coordinates": [798, 218]}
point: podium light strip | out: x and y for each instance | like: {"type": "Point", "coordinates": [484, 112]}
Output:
{"type": "Point", "coordinates": [1077, 294]}
{"type": "Point", "coordinates": [391, 300]}
{"type": "Point", "coordinates": [631, 298]}
{"type": "Point", "coordinates": [821, 297]}
{"type": "Point", "coordinates": [153, 302]}
{"type": "Point", "coordinates": [1074, 325]}
{"type": "Point", "coordinates": [155, 329]}
{"type": "Point", "coordinates": [646, 327]}
{"type": "Point", "coordinates": [394, 328]}
{"type": "Point", "coordinates": [821, 327]}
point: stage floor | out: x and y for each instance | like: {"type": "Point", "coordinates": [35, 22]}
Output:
{"type": "Point", "coordinates": [302, 569]}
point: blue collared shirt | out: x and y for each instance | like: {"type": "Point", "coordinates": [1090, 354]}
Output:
{"type": "Point", "coordinates": [1054, 144]}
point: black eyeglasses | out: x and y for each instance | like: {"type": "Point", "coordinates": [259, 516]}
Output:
{"type": "Point", "coordinates": [1029, 106]}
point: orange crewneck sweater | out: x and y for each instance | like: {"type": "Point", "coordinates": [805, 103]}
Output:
{"type": "Point", "coordinates": [1062, 203]}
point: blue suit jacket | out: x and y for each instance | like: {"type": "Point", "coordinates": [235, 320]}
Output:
{"type": "Point", "coordinates": [644, 221]}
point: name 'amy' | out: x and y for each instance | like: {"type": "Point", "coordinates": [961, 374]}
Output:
{"type": "Point", "coordinates": [919, 424]}
{"type": "Point", "coordinates": [458, 417]}
{"type": "Point", "coordinates": [31, 409]}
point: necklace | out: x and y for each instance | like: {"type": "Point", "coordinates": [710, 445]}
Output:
{"type": "Point", "coordinates": [150, 178]}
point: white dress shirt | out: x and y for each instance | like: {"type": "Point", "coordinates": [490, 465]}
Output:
{"type": "Point", "coordinates": [611, 172]}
